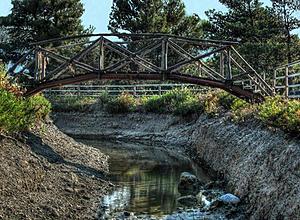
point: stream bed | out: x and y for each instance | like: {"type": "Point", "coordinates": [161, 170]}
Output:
{"type": "Point", "coordinates": [146, 182]}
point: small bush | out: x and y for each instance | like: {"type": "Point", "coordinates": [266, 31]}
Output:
{"type": "Point", "coordinates": [178, 101]}
{"type": "Point", "coordinates": [19, 114]}
{"type": "Point", "coordinates": [281, 113]}
{"type": "Point", "coordinates": [188, 107]}
{"type": "Point", "coordinates": [211, 104]}
{"type": "Point", "coordinates": [123, 104]}
{"type": "Point", "coordinates": [72, 104]}
{"type": "Point", "coordinates": [104, 98]}
{"type": "Point", "coordinates": [226, 100]}
{"type": "Point", "coordinates": [155, 104]}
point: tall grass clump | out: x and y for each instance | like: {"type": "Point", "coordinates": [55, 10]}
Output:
{"type": "Point", "coordinates": [178, 101]}
{"type": "Point", "coordinates": [122, 104]}
{"type": "Point", "coordinates": [18, 113]}
{"type": "Point", "coordinates": [72, 103]}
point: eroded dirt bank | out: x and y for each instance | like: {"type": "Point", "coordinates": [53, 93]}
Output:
{"type": "Point", "coordinates": [45, 174]}
{"type": "Point", "coordinates": [259, 165]}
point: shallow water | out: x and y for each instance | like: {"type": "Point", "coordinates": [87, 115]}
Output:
{"type": "Point", "coordinates": [146, 178]}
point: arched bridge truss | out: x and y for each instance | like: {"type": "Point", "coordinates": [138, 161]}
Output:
{"type": "Point", "coordinates": [75, 59]}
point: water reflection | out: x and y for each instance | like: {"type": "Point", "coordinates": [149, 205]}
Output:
{"type": "Point", "coordinates": [146, 184]}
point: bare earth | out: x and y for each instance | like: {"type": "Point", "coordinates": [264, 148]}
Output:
{"type": "Point", "coordinates": [45, 174]}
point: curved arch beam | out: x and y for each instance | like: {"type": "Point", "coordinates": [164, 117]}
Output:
{"type": "Point", "coordinates": [185, 78]}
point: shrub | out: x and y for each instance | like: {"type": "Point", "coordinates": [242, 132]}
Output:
{"type": "Point", "coordinates": [104, 98]}
{"type": "Point", "coordinates": [155, 104]}
{"type": "Point", "coordinates": [226, 100]}
{"type": "Point", "coordinates": [18, 114]}
{"type": "Point", "coordinates": [281, 113]}
{"type": "Point", "coordinates": [178, 101]}
{"type": "Point", "coordinates": [188, 107]}
{"type": "Point", "coordinates": [122, 104]}
{"type": "Point", "coordinates": [211, 104]}
{"type": "Point", "coordinates": [40, 105]}
{"type": "Point", "coordinates": [73, 104]}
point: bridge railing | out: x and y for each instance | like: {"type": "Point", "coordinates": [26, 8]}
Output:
{"type": "Point", "coordinates": [153, 57]}
{"type": "Point", "coordinates": [115, 90]}
{"type": "Point", "coordinates": [287, 80]}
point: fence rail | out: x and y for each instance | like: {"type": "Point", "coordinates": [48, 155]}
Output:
{"type": "Point", "coordinates": [287, 80]}
{"type": "Point", "coordinates": [115, 90]}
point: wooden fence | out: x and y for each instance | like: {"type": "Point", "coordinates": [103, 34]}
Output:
{"type": "Point", "coordinates": [287, 80]}
{"type": "Point", "coordinates": [115, 90]}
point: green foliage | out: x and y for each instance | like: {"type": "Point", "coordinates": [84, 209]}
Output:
{"type": "Point", "coordinates": [18, 114]}
{"type": "Point", "coordinates": [103, 99]}
{"type": "Point", "coordinates": [154, 16]}
{"type": "Point", "coordinates": [122, 104]}
{"type": "Point", "coordinates": [72, 104]}
{"type": "Point", "coordinates": [259, 28]}
{"type": "Point", "coordinates": [178, 101]}
{"type": "Point", "coordinates": [35, 20]}
{"type": "Point", "coordinates": [226, 100]}
{"type": "Point", "coordinates": [40, 105]}
{"type": "Point", "coordinates": [155, 104]}
{"type": "Point", "coordinates": [281, 113]}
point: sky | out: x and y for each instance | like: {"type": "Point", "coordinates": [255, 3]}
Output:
{"type": "Point", "coordinates": [97, 11]}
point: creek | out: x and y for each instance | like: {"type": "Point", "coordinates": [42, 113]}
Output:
{"type": "Point", "coordinates": [146, 182]}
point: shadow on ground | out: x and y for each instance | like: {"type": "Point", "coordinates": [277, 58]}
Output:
{"type": "Point", "coordinates": [44, 150]}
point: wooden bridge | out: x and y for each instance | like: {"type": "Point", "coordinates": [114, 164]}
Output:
{"type": "Point", "coordinates": [75, 59]}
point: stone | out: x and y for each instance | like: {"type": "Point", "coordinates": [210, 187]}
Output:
{"type": "Point", "coordinates": [187, 200]}
{"type": "Point", "coordinates": [229, 199]}
{"type": "Point", "coordinates": [188, 183]}
{"type": "Point", "coordinates": [202, 199]}
{"type": "Point", "coordinates": [126, 214]}
{"type": "Point", "coordinates": [69, 189]}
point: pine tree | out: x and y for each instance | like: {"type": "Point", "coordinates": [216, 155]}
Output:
{"type": "Point", "coordinates": [35, 20]}
{"type": "Point", "coordinates": [152, 16]}
{"type": "Point", "coordinates": [255, 26]}
{"type": "Point", "coordinates": [286, 12]}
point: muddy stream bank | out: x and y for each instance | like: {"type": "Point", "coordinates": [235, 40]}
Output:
{"type": "Point", "coordinates": [260, 166]}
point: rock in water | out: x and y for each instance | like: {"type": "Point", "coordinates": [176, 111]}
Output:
{"type": "Point", "coordinates": [229, 199]}
{"type": "Point", "coordinates": [188, 183]}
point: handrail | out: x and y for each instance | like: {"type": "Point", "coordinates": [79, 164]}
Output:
{"type": "Point", "coordinates": [287, 78]}
{"type": "Point", "coordinates": [133, 35]}
{"type": "Point", "coordinates": [137, 90]}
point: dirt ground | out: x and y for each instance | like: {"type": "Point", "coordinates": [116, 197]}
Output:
{"type": "Point", "coordinates": [45, 174]}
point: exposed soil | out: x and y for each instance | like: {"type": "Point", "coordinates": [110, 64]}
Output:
{"type": "Point", "coordinates": [45, 174]}
{"type": "Point", "coordinates": [259, 165]}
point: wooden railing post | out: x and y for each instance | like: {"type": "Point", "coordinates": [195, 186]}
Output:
{"type": "Point", "coordinates": [159, 90]}
{"type": "Point", "coordinates": [222, 62]}
{"type": "Point", "coordinates": [229, 70]}
{"type": "Point", "coordinates": [101, 55]}
{"type": "Point", "coordinates": [164, 58]}
{"type": "Point", "coordinates": [286, 84]}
